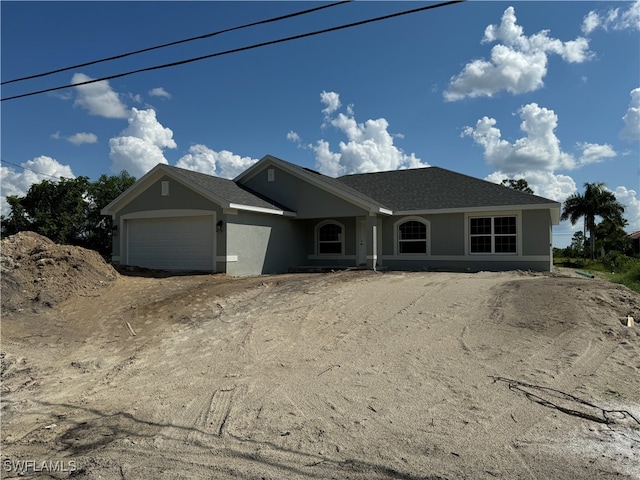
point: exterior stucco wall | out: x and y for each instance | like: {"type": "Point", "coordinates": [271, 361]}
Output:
{"type": "Point", "coordinates": [467, 264]}
{"type": "Point", "coordinates": [536, 231]}
{"type": "Point", "coordinates": [300, 196]}
{"type": "Point", "coordinates": [447, 245]}
{"type": "Point", "coordinates": [179, 198]}
{"type": "Point", "coordinates": [262, 244]}
{"type": "Point", "coordinates": [447, 233]}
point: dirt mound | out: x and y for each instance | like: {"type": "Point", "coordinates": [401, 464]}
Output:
{"type": "Point", "coordinates": [37, 272]}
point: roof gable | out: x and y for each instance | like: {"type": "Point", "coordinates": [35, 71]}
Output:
{"type": "Point", "coordinates": [221, 191]}
{"type": "Point", "coordinates": [329, 184]}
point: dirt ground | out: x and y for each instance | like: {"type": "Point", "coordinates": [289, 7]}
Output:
{"type": "Point", "coordinates": [346, 375]}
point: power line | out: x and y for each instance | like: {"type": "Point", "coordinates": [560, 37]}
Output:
{"type": "Point", "coordinates": [240, 49]}
{"type": "Point", "coordinates": [30, 169]}
{"type": "Point", "coordinates": [177, 42]}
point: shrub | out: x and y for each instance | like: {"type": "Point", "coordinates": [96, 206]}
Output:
{"type": "Point", "coordinates": [616, 262]}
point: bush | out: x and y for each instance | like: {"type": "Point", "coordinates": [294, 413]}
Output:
{"type": "Point", "coordinates": [628, 271]}
{"type": "Point", "coordinates": [616, 262]}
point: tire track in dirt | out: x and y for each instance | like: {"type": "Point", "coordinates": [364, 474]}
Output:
{"type": "Point", "coordinates": [213, 416]}
{"type": "Point", "coordinates": [310, 413]}
{"type": "Point", "coordinates": [570, 354]}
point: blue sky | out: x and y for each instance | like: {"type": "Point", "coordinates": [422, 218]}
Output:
{"type": "Point", "coordinates": [548, 91]}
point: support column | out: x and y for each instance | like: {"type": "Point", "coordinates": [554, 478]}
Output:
{"type": "Point", "coordinates": [372, 241]}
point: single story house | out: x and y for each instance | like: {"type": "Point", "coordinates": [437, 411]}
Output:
{"type": "Point", "coordinates": [276, 216]}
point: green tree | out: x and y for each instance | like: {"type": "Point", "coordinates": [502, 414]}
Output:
{"type": "Point", "coordinates": [612, 237]}
{"type": "Point", "coordinates": [100, 193]}
{"type": "Point", "coordinates": [67, 211]}
{"type": "Point", "coordinates": [520, 184]}
{"type": "Point", "coordinates": [596, 201]}
{"type": "Point", "coordinates": [56, 210]}
{"type": "Point", "coordinates": [577, 245]}
{"type": "Point", "coordinates": [17, 220]}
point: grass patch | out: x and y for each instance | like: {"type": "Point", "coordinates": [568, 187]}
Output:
{"type": "Point", "coordinates": [618, 269]}
{"type": "Point", "coordinates": [629, 278]}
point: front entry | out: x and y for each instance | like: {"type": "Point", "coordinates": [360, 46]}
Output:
{"type": "Point", "coordinates": [361, 256]}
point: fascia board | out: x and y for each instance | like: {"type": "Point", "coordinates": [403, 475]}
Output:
{"type": "Point", "coordinates": [554, 209]}
{"type": "Point", "coordinates": [271, 211]}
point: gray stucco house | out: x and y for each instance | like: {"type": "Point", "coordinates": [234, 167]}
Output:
{"type": "Point", "coordinates": [277, 215]}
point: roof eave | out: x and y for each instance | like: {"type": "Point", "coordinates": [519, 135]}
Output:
{"type": "Point", "coordinates": [554, 209]}
{"type": "Point", "coordinates": [272, 211]}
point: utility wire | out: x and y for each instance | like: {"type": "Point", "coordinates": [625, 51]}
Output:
{"type": "Point", "coordinates": [199, 37]}
{"type": "Point", "coordinates": [235, 50]}
{"type": "Point", "coordinates": [30, 169]}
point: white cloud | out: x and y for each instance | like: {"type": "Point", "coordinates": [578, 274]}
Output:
{"type": "Point", "coordinates": [369, 146]}
{"type": "Point", "coordinates": [613, 19]}
{"type": "Point", "coordinates": [590, 22]}
{"type": "Point", "coordinates": [543, 183]}
{"type": "Point", "coordinates": [82, 137]}
{"type": "Point", "coordinates": [34, 171]}
{"type": "Point", "coordinates": [224, 164]}
{"type": "Point", "coordinates": [77, 138]}
{"type": "Point", "coordinates": [629, 198]}
{"type": "Point", "coordinates": [518, 64]}
{"type": "Point", "coordinates": [595, 153]}
{"type": "Point", "coordinates": [159, 92]}
{"type": "Point", "coordinates": [98, 98]}
{"type": "Point", "coordinates": [331, 101]}
{"type": "Point", "coordinates": [294, 137]}
{"type": "Point", "coordinates": [631, 119]}
{"type": "Point", "coordinates": [327, 162]}
{"type": "Point", "coordinates": [139, 147]}
{"type": "Point", "coordinates": [137, 98]}
{"type": "Point", "coordinates": [539, 150]}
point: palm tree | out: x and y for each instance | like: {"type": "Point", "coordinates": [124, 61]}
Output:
{"type": "Point", "coordinates": [596, 201]}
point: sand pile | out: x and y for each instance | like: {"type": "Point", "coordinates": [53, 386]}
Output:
{"type": "Point", "coordinates": [37, 272]}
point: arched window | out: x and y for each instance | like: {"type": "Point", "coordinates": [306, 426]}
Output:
{"type": "Point", "coordinates": [412, 237]}
{"type": "Point", "coordinates": [330, 238]}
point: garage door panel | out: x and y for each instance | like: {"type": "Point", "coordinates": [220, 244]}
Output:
{"type": "Point", "coordinates": [175, 243]}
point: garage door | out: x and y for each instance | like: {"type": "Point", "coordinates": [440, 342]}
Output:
{"type": "Point", "coordinates": [175, 243]}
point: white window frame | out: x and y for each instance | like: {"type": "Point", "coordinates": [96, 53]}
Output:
{"type": "Point", "coordinates": [340, 238]}
{"type": "Point", "coordinates": [396, 236]}
{"type": "Point", "coordinates": [493, 234]}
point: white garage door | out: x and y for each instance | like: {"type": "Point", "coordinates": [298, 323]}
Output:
{"type": "Point", "coordinates": [176, 243]}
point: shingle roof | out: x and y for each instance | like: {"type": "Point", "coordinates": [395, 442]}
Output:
{"type": "Point", "coordinates": [226, 189]}
{"type": "Point", "coordinates": [434, 188]}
